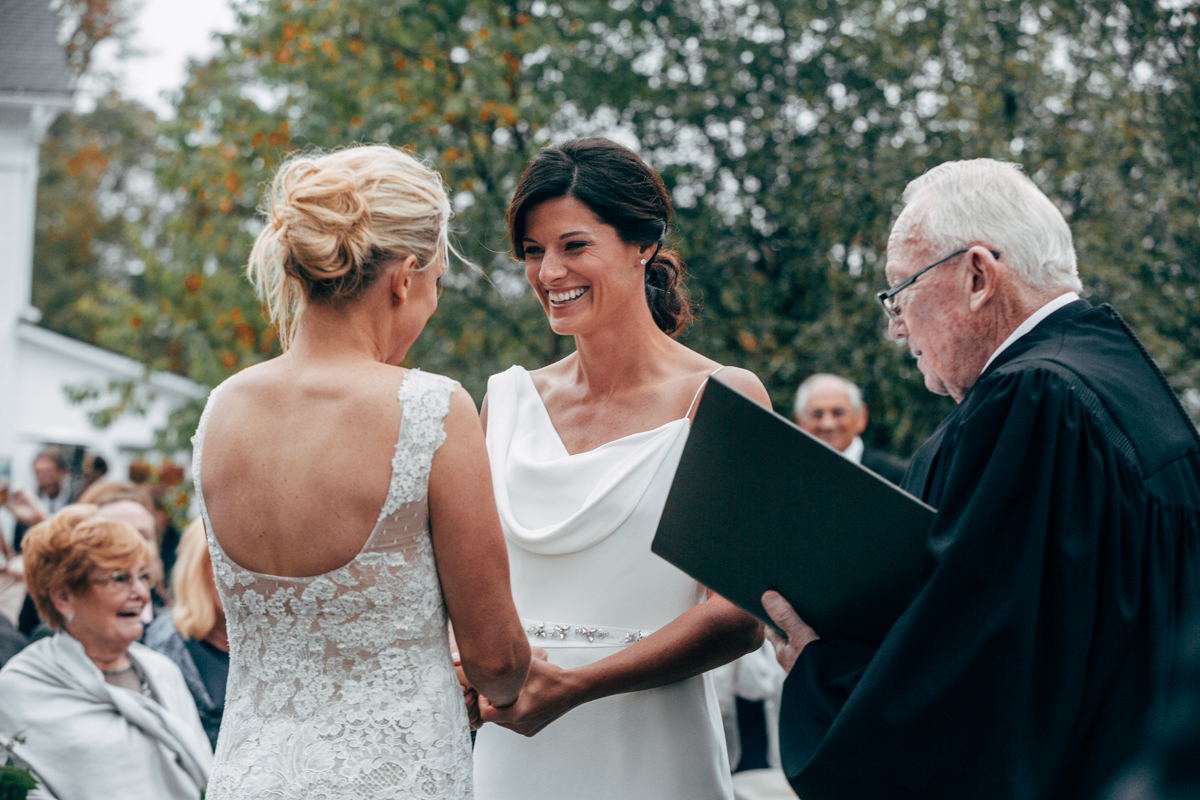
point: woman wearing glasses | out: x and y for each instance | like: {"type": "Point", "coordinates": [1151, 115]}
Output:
{"type": "Point", "coordinates": [98, 715]}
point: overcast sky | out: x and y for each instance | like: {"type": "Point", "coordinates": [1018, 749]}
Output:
{"type": "Point", "coordinates": [167, 33]}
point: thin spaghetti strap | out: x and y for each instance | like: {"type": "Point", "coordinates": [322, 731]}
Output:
{"type": "Point", "coordinates": [701, 389]}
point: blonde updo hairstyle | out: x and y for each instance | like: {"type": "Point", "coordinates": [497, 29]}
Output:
{"type": "Point", "coordinates": [334, 221]}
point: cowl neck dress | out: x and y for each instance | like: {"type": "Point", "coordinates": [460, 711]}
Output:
{"type": "Point", "coordinates": [578, 529]}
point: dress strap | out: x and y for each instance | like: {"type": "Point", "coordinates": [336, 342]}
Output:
{"type": "Point", "coordinates": [703, 383]}
{"type": "Point", "coordinates": [424, 400]}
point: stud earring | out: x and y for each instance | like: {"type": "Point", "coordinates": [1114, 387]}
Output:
{"type": "Point", "coordinates": [643, 262]}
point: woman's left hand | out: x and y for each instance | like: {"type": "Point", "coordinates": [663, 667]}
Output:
{"type": "Point", "coordinates": [549, 692]}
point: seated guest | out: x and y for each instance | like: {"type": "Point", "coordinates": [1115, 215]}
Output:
{"type": "Point", "coordinates": [12, 584]}
{"type": "Point", "coordinates": [100, 715]}
{"type": "Point", "coordinates": [192, 634]}
{"type": "Point", "coordinates": [53, 492]}
{"type": "Point", "coordinates": [11, 640]}
{"type": "Point", "coordinates": [134, 505]}
{"type": "Point", "coordinates": [1031, 659]}
{"type": "Point", "coordinates": [832, 409]}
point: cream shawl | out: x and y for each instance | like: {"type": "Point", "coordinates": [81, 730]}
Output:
{"type": "Point", "coordinates": [87, 739]}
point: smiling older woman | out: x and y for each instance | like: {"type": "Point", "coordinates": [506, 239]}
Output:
{"type": "Point", "coordinates": [100, 715]}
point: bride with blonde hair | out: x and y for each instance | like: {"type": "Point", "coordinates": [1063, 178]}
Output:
{"type": "Point", "coordinates": [348, 506]}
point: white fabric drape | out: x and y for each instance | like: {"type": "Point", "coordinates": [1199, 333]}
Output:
{"type": "Point", "coordinates": [87, 739]}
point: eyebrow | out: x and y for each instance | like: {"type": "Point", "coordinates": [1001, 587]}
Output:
{"type": "Point", "coordinates": [564, 236]}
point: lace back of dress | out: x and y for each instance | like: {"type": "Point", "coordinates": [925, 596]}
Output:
{"type": "Point", "coordinates": [341, 685]}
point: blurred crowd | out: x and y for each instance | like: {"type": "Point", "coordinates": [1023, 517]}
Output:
{"type": "Point", "coordinates": [142, 631]}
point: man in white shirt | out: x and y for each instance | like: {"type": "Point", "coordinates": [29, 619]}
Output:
{"type": "Point", "coordinates": [832, 409]}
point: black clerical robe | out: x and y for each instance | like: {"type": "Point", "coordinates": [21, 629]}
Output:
{"type": "Point", "coordinates": [885, 465]}
{"type": "Point", "coordinates": [1066, 545]}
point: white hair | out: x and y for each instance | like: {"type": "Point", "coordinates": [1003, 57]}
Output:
{"type": "Point", "coordinates": [805, 390]}
{"type": "Point", "coordinates": [962, 203]}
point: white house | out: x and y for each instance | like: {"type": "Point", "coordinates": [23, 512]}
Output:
{"type": "Point", "coordinates": [35, 363]}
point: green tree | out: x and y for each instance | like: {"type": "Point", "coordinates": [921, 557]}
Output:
{"type": "Point", "coordinates": [810, 118]}
{"type": "Point", "coordinates": [95, 189]}
{"type": "Point", "coordinates": [785, 131]}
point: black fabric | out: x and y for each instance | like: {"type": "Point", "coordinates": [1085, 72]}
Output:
{"type": "Point", "coordinates": [885, 465]}
{"type": "Point", "coordinates": [11, 640]}
{"type": "Point", "coordinates": [1169, 767]}
{"type": "Point", "coordinates": [1066, 546]}
{"type": "Point", "coordinates": [167, 551]}
{"type": "Point", "coordinates": [752, 734]}
{"type": "Point", "coordinates": [213, 665]}
{"type": "Point", "coordinates": [202, 675]}
{"type": "Point", "coordinates": [19, 532]}
{"type": "Point", "coordinates": [28, 619]}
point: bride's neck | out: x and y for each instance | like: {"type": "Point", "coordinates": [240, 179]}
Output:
{"type": "Point", "coordinates": [622, 355]}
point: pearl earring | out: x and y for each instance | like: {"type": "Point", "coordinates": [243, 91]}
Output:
{"type": "Point", "coordinates": [643, 262]}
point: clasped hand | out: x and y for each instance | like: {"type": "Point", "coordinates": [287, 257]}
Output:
{"type": "Point", "coordinates": [546, 695]}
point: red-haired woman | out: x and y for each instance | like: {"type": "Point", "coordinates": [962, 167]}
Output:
{"type": "Point", "coordinates": [100, 715]}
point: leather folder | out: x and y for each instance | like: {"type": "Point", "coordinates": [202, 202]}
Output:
{"type": "Point", "coordinates": [757, 504]}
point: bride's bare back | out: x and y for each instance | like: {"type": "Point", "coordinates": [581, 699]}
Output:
{"type": "Point", "coordinates": [297, 463]}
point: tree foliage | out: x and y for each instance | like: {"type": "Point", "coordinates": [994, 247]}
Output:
{"type": "Point", "coordinates": [784, 130]}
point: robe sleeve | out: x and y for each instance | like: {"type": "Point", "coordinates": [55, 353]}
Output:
{"type": "Point", "coordinates": [983, 686]}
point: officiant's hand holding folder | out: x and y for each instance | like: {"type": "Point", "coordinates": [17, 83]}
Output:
{"type": "Point", "coordinates": [758, 504]}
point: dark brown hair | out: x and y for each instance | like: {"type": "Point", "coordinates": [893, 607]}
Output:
{"type": "Point", "coordinates": [622, 191]}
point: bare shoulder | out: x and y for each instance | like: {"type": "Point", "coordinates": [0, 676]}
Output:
{"type": "Point", "coordinates": [747, 383]}
{"type": "Point", "coordinates": [743, 380]}
{"type": "Point", "coordinates": [462, 406]}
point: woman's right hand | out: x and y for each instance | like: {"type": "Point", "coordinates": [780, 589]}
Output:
{"type": "Point", "coordinates": [470, 696]}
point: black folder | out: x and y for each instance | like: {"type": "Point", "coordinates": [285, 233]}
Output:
{"type": "Point", "coordinates": [757, 504]}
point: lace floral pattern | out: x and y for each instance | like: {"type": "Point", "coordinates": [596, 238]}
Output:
{"type": "Point", "coordinates": [341, 685]}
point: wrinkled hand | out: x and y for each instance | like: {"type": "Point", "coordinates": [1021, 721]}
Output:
{"type": "Point", "coordinates": [26, 508]}
{"type": "Point", "coordinates": [548, 693]}
{"type": "Point", "coordinates": [798, 634]}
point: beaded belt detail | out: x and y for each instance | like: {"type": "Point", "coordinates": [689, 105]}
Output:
{"type": "Point", "coordinates": [582, 633]}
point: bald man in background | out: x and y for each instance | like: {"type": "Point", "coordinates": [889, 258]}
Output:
{"type": "Point", "coordinates": [831, 408]}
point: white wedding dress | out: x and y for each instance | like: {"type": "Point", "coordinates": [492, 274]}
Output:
{"type": "Point", "coordinates": [586, 585]}
{"type": "Point", "coordinates": [341, 685]}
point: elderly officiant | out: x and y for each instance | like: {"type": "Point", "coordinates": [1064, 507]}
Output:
{"type": "Point", "coordinates": [1067, 539]}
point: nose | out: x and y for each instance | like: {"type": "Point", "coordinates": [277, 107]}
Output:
{"type": "Point", "coordinates": [141, 588]}
{"type": "Point", "coordinates": [551, 269]}
{"type": "Point", "coordinates": [896, 329]}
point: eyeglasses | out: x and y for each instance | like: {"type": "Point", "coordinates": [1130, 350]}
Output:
{"type": "Point", "coordinates": [887, 298]}
{"type": "Point", "coordinates": [123, 580]}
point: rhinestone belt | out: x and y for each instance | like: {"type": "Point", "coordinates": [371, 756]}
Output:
{"type": "Point", "coordinates": [577, 634]}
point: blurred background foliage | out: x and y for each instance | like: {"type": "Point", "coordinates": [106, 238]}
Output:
{"type": "Point", "coordinates": [785, 131]}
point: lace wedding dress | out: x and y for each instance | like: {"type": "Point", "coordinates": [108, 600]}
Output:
{"type": "Point", "coordinates": [341, 685]}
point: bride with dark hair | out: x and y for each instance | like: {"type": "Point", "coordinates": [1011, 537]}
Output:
{"type": "Point", "coordinates": [582, 455]}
